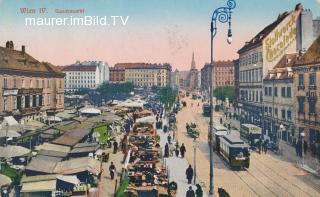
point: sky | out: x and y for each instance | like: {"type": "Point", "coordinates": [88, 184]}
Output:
{"type": "Point", "coordinates": [157, 31]}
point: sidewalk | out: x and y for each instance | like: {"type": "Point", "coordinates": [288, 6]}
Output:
{"type": "Point", "coordinates": [106, 185]}
{"type": "Point", "coordinates": [176, 166]}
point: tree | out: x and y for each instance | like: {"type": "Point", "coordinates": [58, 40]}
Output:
{"type": "Point", "coordinates": [168, 96]}
{"type": "Point", "coordinates": [114, 88]}
{"type": "Point", "coordinates": [224, 92]}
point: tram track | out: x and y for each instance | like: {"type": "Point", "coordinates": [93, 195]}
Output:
{"type": "Point", "coordinates": [283, 177]}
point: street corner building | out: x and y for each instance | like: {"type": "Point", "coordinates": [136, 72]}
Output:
{"type": "Point", "coordinates": [30, 89]}
{"type": "Point", "coordinates": [291, 33]}
{"type": "Point", "coordinates": [307, 90]}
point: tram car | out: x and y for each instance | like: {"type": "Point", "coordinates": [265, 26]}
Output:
{"type": "Point", "coordinates": [235, 151]}
{"type": "Point", "coordinates": [218, 131]}
{"type": "Point", "coordinates": [206, 111]}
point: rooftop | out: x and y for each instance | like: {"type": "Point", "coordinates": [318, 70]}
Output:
{"type": "Point", "coordinates": [83, 68]}
{"type": "Point", "coordinates": [312, 55]}
{"type": "Point", "coordinates": [14, 60]}
{"type": "Point", "coordinates": [141, 65]}
{"type": "Point", "coordinates": [257, 39]}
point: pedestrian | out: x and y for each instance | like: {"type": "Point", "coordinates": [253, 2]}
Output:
{"type": "Point", "coordinates": [166, 150]}
{"type": "Point", "coordinates": [260, 145]}
{"type": "Point", "coordinates": [190, 192]}
{"type": "Point", "coordinates": [169, 139]}
{"type": "Point", "coordinates": [115, 147]}
{"type": "Point", "coordinates": [199, 191]}
{"type": "Point", "coordinates": [191, 104]}
{"type": "Point", "coordinates": [265, 146]}
{"type": "Point", "coordinates": [189, 173]}
{"type": "Point", "coordinates": [177, 149]}
{"type": "Point", "coordinates": [182, 150]}
{"type": "Point", "coordinates": [112, 170]}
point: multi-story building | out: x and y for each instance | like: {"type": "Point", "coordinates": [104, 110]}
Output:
{"type": "Point", "coordinates": [290, 33]}
{"type": "Point", "coordinates": [30, 89]}
{"type": "Point", "coordinates": [175, 79]}
{"type": "Point", "coordinates": [88, 74]}
{"type": "Point", "coordinates": [278, 100]}
{"type": "Point", "coordinates": [147, 75]}
{"type": "Point", "coordinates": [205, 79]}
{"type": "Point", "coordinates": [307, 90]}
{"type": "Point", "coordinates": [117, 74]}
{"type": "Point", "coordinates": [222, 75]}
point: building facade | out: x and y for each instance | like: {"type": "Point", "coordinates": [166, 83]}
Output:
{"type": "Point", "coordinates": [117, 74]}
{"type": "Point", "coordinates": [87, 74]}
{"type": "Point", "coordinates": [30, 89]}
{"type": "Point", "coordinates": [279, 107]}
{"type": "Point", "coordinates": [192, 80]}
{"type": "Point", "coordinates": [290, 33]}
{"type": "Point", "coordinates": [147, 75]}
{"type": "Point", "coordinates": [222, 75]}
{"type": "Point", "coordinates": [307, 90]}
{"type": "Point", "coordinates": [175, 79]}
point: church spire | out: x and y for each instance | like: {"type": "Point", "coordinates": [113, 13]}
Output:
{"type": "Point", "coordinates": [193, 63]}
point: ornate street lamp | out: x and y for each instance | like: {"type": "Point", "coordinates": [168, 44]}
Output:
{"type": "Point", "coordinates": [223, 15]}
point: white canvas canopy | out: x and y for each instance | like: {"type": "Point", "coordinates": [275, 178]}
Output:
{"type": "Point", "coordinates": [54, 119]}
{"type": "Point", "coordinates": [10, 120]}
{"type": "Point", "coordinates": [147, 119]}
{"type": "Point", "coordinates": [90, 111]}
{"type": "Point", "coordinates": [9, 133]}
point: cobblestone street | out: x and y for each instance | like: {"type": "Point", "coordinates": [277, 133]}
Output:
{"type": "Point", "coordinates": [267, 175]}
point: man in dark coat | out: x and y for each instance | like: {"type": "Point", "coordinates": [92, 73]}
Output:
{"type": "Point", "coordinates": [112, 170]}
{"type": "Point", "coordinates": [189, 173]}
{"type": "Point", "coordinates": [166, 150]}
{"type": "Point", "coordinates": [182, 150]}
{"type": "Point", "coordinates": [115, 147]}
{"type": "Point", "coordinates": [190, 192]}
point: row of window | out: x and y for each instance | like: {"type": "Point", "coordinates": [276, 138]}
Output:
{"type": "Point", "coordinates": [80, 73]}
{"type": "Point", "coordinates": [248, 95]}
{"type": "Point", "coordinates": [80, 77]}
{"type": "Point", "coordinates": [312, 79]}
{"type": "Point", "coordinates": [80, 86]}
{"type": "Point", "coordinates": [254, 75]}
{"type": "Point", "coordinates": [21, 102]}
{"type": "Point", "coordinates": [31, 83]}
{"type": "Point", "coordinates": [285, 91]}
{"type": "Point", "coordinates": [81, 81]}
{"type": "Point", "coordinates": [285, 115]}
{"type": "Point", "coordinates": [251, 59]}
{"type": "Point", "coordinates": [311, 103]}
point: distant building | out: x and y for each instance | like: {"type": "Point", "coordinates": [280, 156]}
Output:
{"type": "Point", "coordinates": [192, 81]}
{"type": "Point", "coordinates": [30, 88]}
{"type": "Point", "coordinates": [147, 75]}
{"type": "Point", "coordinates": [222, 75]}
{"type": "Point", "coordinates": [175, 79]}
{"type": "Point", "coordinates": [88, 74]}
{"type": "Point", "coordinates": [117, 74]}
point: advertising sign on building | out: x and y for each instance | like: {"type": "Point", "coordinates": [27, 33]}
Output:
{"type": "Point", "coordinates": [282, 40]}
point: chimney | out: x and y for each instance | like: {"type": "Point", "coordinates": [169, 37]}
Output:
{"type": "Point", "coordinates": [23, 49]}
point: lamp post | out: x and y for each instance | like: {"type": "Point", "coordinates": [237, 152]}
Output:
{"type": "Point", "coordinates": [302, 148]}
{"type": "Point", "coordinates": [282, 128]}
{"type": "Point", "coordinates": [194, 159]}
{"type": "Point", "coordinates": [223, 15]}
